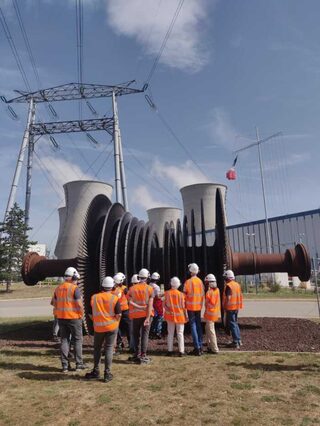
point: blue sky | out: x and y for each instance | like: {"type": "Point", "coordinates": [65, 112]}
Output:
{"type": "Point", "coordinates": [228, 66]}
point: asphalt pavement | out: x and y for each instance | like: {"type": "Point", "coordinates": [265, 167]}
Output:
{"type": "Point", "coordinates": [252, 308]}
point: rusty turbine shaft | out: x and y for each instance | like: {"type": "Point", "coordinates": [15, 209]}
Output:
{"type": "Point", "coordinates": [113, 240]}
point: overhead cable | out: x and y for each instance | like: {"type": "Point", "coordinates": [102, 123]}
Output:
{"type": "Point", "coordinates": [164, 42]}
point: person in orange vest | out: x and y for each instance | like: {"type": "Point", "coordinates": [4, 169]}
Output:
{"type": "Point", "coordinates": [68, 309]}
{"type": "Point", "coordinates": [194, 291]}
{"type": "Point", "coordinates": [232, 302]}
{"type": "Point", "coordinates": [106, 314]}
{"type": "Point", "coordinates": [140, 312]}
{"type": "Point", "coordinates": [212, 313]}
{"type": "Point", "coordinates": [134, 281]}
{"type": "Point", "coordinates": [175, 314]}
{"type": "Point", "coordinates": [121, 291]}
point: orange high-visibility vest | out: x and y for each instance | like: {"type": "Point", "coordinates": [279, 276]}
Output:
{"type": "Point", "coordinates": [66, 306]}
{"type": "Point", "coordinates": [194, 291]}
{"type": "Point", "coordinates": [119, 292]}
{"type": "Point", "coordinates": [174, 306]}
{"type": "Point", "coordinates": [212, 303]}
{"type": "Point", "coordinates": [235, 301]}
{"type": "Point", "coordinates": [140, 294]}
{"type": "Point", "coordinates": [103, 315]}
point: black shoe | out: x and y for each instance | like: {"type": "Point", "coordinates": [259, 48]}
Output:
{"type": "Point", "coordinates": [196, 352]}
{"type": "Point", "coordinates": [134, 359]}
{"type": "Point", "coordinates": [181, 354]}
{"type": "Point", "coordinates": [169, 353]}
{"type": "Point", "coordinates": [107, 377]}
{"type": "Point", "coordinates": [92, 375]}
{"type": "Point", "coordinates": [233, 345]}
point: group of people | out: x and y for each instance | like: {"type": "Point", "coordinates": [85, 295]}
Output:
{"type": "Point", "coordinates": [118, 312]}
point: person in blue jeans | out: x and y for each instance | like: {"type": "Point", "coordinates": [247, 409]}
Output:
{"type": "Point", "coordinates": [232, 302]}
{"type": "Point", "coordinates": [194, 291]}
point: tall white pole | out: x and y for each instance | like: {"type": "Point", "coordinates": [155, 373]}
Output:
{"type": "Point", "coordinates": [116, 148]}
{"type": "Point", "coordinates": [17, 173]}
{"type": "Point", "coordinates": [29, 173]}
{"type": "Point", "coordinates": [264, 194]}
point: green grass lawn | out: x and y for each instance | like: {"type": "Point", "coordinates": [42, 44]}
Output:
{"type": "Point", "coordinates": [228, 389]}
{"type": "Point", "coordinates": [281, 294]}
{"type": "Point", "coordinates": [22, 291]}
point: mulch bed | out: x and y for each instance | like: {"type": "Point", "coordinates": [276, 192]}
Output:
{"type": "Point", "coordinates": [257, 334]}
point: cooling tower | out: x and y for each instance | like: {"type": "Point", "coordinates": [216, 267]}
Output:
{"type": "Point", "coordinates": [192, 196]}
{"type": "Point", "coordinates": [78, 196]}
{"type": "Point", "coordinates": [62, 218]}
{"type": "Point", "coordinates": [160, 215]}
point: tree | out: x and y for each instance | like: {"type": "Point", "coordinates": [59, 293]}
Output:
{"type": "Point", "coordinates": [14, 244]}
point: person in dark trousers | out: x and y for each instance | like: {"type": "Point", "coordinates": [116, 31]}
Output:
{"type": "Point", "coordinates": [140, 311]}
{"type": "Point", "coordinates": [106, 314]}
{"type": "Point", "coordinates": [232, 303]}
{"type": "Point", "coordinates": [156, 326]}
{"type": "Point", "coordinates": [68, 309]}
{"type": "Point", "coordinates": [121, 291]}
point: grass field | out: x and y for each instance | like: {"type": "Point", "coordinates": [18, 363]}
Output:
{"type": "Point", "coordinates": [22, 291]}
{"type": "Point", "coordinates": [228, 389]}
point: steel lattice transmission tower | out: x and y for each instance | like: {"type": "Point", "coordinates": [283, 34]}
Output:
{"type": "Point", "coordinates": [70, 92]}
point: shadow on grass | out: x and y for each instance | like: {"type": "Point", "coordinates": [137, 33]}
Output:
{"type": "Point", "coordinates": [49, 377]}
{"type": "Point", "coordinates": [26, 366]}
{"type": "Point", "coordinates": [275, 367]}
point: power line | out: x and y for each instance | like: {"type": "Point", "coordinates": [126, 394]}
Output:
{"type": "Point", "coordinates": [164, 42]}
{"type": "Point", "coordinates": [14, 50]}
{"type": "Point", "coordinates": [154, 108]}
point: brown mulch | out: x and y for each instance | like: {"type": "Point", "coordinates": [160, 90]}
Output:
{"type": "Point", "coordinates": [257, 334]}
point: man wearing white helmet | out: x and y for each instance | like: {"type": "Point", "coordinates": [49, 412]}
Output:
{"type": "Point", "coordinates": [120, 290]}
{"type": "Point", "coordinates": [156, 326]}
{"type": "Point", "coordinates": [68, 308]}
{"type": "Point", "coordinates": [106, 313]}
{"type": "Point", "coordinates": [212, 312]}
{"type": "Point", "coordinates": [175, 315]}
{"type": "Point", "coordinates": [194, 291]}
{"type": "Point", "coordinates": [232, 302]}
{"type": "Point", "coordinates": [134, 280]}
{"type": "Point", "coordinates": [140, 312]}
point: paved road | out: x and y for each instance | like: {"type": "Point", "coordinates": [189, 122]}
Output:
{"type": "Point", "coordinates": [252, 308]}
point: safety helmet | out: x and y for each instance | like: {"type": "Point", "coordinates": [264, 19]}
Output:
{"type": "Point", "coordinates": [144, 273]}
{"type": "Point", "coordinates": [134, 279]}
{"type": "Point", "coordinates": [229, 275]}
{"type": "Point", "coordinates": [155, 276]}
{"type": "Point", "coordinates": [107, 282]}
{"type": "Point", "coordinates": [175, 282]}
{"type": "Point", "coordinates": [118, 278]}
{"type": "Point", "coordinates": [72, 273]}
{"type": "Point", "coordinates": [210, 278]}
{"type": "Point", "coordinates": [193, 267]}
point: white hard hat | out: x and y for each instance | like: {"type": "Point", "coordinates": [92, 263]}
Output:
{"type": "Point", "coordinates": [155, 276]}
{"type": "Point", "coordinates": [134, 279]}
{"type": "Point", "coordinates": [144, 273]}
{"type": "Point", "coordinates": [72, 273]}
{"type": "Point", "coordinates": [210, 278]}
{"type": "Point", "coordinates": [193, 267]}
{"type": "Point", "coordinates": [175, 282]}
{"type": "Point", "coordinates": [118, 278]}
{"type": "Point", "coordinates": [229, 274]}
{"type": "Point", "coordinates": [107, 282]}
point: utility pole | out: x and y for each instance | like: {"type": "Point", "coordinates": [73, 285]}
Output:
{"type": "Point", "coordinates": [24, 146]}
{"type": "Point", "coordinates": [70, 92]}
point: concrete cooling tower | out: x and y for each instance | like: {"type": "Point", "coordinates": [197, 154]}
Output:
{"type": "Point", "coordinates": [160, 215]}
{"type": "Point", "coordinates": [191, 197]}
{"type": "Point", "coordinates": [78, 196]}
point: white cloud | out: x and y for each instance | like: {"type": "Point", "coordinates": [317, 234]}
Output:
{"type": "Point", "coordinates": [148, 21]}
{"type": "Point", "coordinates": [62, 171]}
{"type": "Point", "coordinates": [141, 196]}
{"type": "Point", "coordinates": [179, 176]}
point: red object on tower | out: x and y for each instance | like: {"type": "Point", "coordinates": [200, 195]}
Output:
{"type": "Point", "coordinates": [231, 174]}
